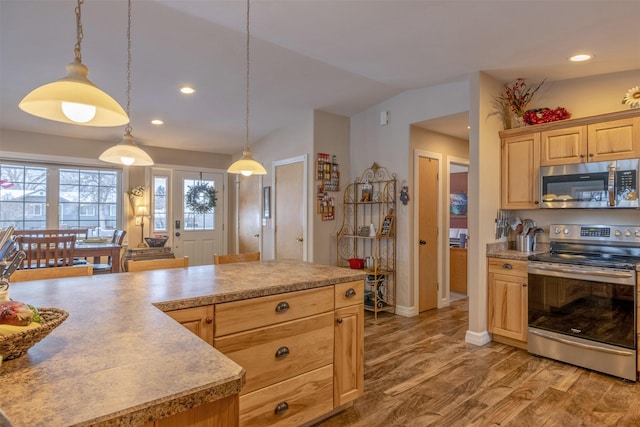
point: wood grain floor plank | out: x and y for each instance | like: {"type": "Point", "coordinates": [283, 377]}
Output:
{"type": "Point", "coordinates": [420, 372]}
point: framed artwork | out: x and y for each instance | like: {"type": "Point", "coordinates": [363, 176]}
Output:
{"type": "Point", "coordinates": [266, 202]}
{"type": "Point", "coordinates": [458, 204]}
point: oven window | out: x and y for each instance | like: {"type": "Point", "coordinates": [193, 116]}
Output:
{"type": "Point", "coordinates": [596, 311]}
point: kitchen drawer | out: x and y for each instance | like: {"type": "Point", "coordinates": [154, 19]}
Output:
{"type": "Point", "coordinates": [276, 353]}
{"type": "Point", "coordinates": [238, 316]}
{"type": "Point", "coordinates": [349, 293]}
{"type": "Point", "coordinates": [289, 403]}
{"type": "Point", "coordinates": [508, 266]}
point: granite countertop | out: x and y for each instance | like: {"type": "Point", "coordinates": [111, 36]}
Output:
{"type": "Point", "coordinates": [119, 360]}
{"type": "Point", "coordinates": [502, 250]}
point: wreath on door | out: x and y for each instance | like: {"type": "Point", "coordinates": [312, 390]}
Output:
{"type": "Point", "coordinates": [201, 198]}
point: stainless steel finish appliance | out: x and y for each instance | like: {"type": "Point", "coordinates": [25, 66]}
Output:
{"type": "Point", "coordinates": [582, 298]}
{"type": "Point", "coordinates": [590, 185]}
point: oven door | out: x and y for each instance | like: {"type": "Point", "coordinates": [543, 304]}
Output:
{"type": "Point", "coordinates": [583, 315]}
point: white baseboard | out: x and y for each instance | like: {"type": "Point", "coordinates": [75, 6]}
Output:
{"type": "Point", "coordinates": [477, 338]}
{"type": "Point", "coordinates": [406, 311]}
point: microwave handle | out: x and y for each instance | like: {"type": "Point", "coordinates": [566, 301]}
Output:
{"type": "Point", "coordinates": [611, 184]}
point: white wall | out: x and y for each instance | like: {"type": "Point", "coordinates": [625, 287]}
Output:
{"type": "Point", "coordinates": [389, 147]}
{"type": "Point", "coordinates": [293, 141]}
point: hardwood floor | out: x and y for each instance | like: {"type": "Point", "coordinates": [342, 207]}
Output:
{"type": "Point", "coordinates": [420, 372]}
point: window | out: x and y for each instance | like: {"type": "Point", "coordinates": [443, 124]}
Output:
{"type": "Point", "coordinates": [160, 203]}
{"type": "Point", "coordinates": [38, 197]}
{"type": "Point", "coordinates": [193, 220]}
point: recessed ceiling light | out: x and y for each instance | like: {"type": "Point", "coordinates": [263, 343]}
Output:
{"type": "Point", "coordinates": [157, 122]}
{"type": "Point", "coordinates": [580, 57]}
{"type": "Point", "coordinates": [187, 90]}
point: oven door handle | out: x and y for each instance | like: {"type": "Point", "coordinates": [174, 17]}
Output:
{"type": "Point", "coordinates": [581, 345]}
{"type": "Point", "coordinates": [617, 275]}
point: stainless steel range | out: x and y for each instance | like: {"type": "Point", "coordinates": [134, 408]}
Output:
{"type": "Point", "coordinates": [582, 298]}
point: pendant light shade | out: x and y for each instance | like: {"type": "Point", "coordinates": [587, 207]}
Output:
{"type": "Point", "coordinates": [247, 165]}
{"type": "Point", "coordinates": [75, 99]}
{"type": "Point", "coordinates": [126, 153]}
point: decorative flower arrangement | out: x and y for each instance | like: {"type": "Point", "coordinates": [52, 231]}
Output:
{"type": "Point", "coordinates": [545, 115]}
{"type": "Point", "coordinates": [632, 98]}
{"type": "Point", "coordinates": [201, 198]}
{"type": "Point", "coordinates": [136, 191]}
{"type": "Point", "coordinates": [517, 95]}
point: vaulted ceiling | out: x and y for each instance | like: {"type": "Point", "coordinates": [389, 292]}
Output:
{"type": "Point", "coordinates": [340, 56]}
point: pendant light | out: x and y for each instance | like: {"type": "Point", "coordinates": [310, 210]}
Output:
{"type": "Point", "coordinates": [246, 165]}
{"type": "Point", "coordinates": [127, 152]}
{"type": "Point", "coordinates": [75, 99]}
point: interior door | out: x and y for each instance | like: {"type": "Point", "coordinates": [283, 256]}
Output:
{"type": "Point", "coordinates": [249, 213]}
{"type": "Point", "coordinates": [428, 233]}
{"type": "Point", "coordinates": [197, 235]}
{"type": "Point", "coordinates": [290, 211]}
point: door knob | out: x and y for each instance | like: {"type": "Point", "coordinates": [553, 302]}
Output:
{"type": "Point", "coordinates": [300, 239]}
{"type": "Point", "coordinates": [423, 242]}
{"type": "Point", "coordinates": [177, 234]}
{"type": "Point", "coordinates": [256, 235]}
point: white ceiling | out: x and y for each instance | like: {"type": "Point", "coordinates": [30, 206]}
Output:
{"type": "Point", "coordinates": [340, 56]}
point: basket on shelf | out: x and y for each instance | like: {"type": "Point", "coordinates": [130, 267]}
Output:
{"type": "Point", "coordinates": [15, 345]}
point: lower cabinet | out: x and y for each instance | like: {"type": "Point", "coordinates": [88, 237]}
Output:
{"type": "Point", "coordinates": [507, 301]}
{"type": "Point", "coordinates": [303, 352]}
{"type": "Point", "coordinates": [219, 413]}
{"type": "Point", "coordinates": [198, 320]}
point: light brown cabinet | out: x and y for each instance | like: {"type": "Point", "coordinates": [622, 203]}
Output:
{"type": "Point", "coordinates": [458, 270]}
{"type": "Point", "coordinates": [610, 140]}
{"type": "Point", "coordinates": [303, 352]}
{"type": "Point", "coordinates": [198, 320]}
{"type": "Point", "coordinates": [507, 301]}
{"type": "Point", "coordinates": [520, 165]}
{"type": "Point", "coordinates": [219, 413]}
{"type": "Point", "coordinates": [613, 136]}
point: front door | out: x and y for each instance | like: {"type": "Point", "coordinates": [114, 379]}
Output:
{"type": "Point", "coordinates": [290, 211]}
{"type": "Point", "coordinates": [428, 233]}
{"type": "Point", "coordinates": [197, 235]}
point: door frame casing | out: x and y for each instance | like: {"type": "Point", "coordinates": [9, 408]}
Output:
{"type": "Point", "coordinates": [305, 201]}
{"type": "Point", "coordinates": [442, 301]}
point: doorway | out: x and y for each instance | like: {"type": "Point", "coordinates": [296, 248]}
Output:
{"type": "Point", "coordinates": [290, 194]}
{"type": "Point", "coordinates": [458, 190]}
{"type": "Point", "coordinates": [249, 197]}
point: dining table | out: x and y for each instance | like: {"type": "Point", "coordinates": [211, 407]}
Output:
{"type": "Point", "coordinates": [97, 249]}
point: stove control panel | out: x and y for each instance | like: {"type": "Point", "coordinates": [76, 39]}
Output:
{"type": "Point", "coordinates": [599, 233]}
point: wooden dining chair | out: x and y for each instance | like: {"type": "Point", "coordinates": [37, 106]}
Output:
{"type": "Point", "coordinates": [51, 273]}
{"type": "Point", "coordinates": [118, 238]}
{"type": "Point", "coordinates": [46, 251]}
{"type": "Point", "coordinates": [229, 258]}
{"type": "Point", "coordinates": [157, 264]}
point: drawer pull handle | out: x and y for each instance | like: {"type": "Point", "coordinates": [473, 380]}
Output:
{"type": "Point", "coordinates": [282, 352]}
{"type": "Point", "coordinates": [281, 408]}
{"type": "Point", "coordinates": [282, 307]}
{"type": "Point", "coordinates": [507, 266]}
{"type": "Point", "coordinates": [350, 293]}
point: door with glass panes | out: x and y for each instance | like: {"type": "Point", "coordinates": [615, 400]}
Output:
{"type": "Point", "coordinates": [195, 234]}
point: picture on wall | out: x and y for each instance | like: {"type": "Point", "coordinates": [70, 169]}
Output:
{"type": "Point", "coordinates": [458, 203]}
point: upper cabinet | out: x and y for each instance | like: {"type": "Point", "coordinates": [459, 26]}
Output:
{"type": "Point", "coordinates": [611, 140]}
{"type": "Point", "coordinates": [613, 136]}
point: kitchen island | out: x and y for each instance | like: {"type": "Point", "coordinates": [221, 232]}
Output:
{"type": "Point", "coordinates": [119, 360]}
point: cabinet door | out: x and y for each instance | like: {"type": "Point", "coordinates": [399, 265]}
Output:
{"type": "Point", "coordinates": [614, 140]}
{"type": "Point", "coordinates": [520, 168]}
{"type": "Point", "coordinates": [219, 413]}
{"type": "Point", "coordinates": [563, 146]}
{"type": "Point", "coordinates": [348, 364]}
{"type": "Point", "coordinates": [198, 320]}
{"type": "Point", "coordinates": [508, 306]}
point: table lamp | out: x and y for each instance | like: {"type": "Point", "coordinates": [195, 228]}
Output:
{"type": "Point", "coordinates": [142, 211]}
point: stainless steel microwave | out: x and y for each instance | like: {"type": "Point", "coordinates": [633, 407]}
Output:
{"type": "Point", "coordinates": [590, 185]}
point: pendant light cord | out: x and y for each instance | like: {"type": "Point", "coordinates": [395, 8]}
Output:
{"type": "Point", "coordinates": [246, 123]}
{"type": "Point", "coordinates": [79, 34]}
{"type": "Point", "coordinates": [128, 128]}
